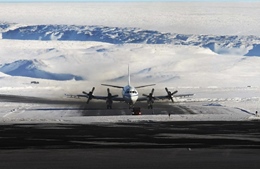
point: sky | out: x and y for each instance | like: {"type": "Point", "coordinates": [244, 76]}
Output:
{"type": "Point", "coordinates": [129, 0]}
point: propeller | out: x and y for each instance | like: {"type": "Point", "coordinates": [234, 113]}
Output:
{"type": "Point", "coordinates": [170, 94]}
{"type": "Point", "coordinates": [150, 96]}
{"type": "Point", "coordinates": [89, 94]}
{"type": "Point", "coordinates": [150, 99]}
{"type": "Point", "coordinates": [109, 95]}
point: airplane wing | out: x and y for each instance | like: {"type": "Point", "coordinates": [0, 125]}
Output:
{"type": "Point", "coordinates": [183, 95]}
{"type": "Point", "coordinates": [170, 95]}
{"type": "Point", "coordinates": [144, 86]}
{"type": "Point", "coordinates": [114, 98]}
{"type": "Point", "coordinates": [81, 95]}
{"type": "Point", "coordinates": [93, 97]}
{"type": "Point", "coordinates": [123, 87]}
{"type": "Point", "coordinates": [71, 95]}
{"type": "Point", "coordinates": [142, 99]}
{"type": "Point", "coordinates": [120, 99]}
{"type": "Point", "coordinates": [113, 86]}
{"type": "Point", "coordinates": [167, 96]}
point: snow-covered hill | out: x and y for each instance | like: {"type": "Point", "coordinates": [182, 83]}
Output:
{"type": "Point", "coordinates": [32, 68]}
{"type": "Point", "coordinates": [178, 65]}
{"type": "Point", "coordinates": [101, 52]}
{"type": "Point", "coordinates": [221, 44]}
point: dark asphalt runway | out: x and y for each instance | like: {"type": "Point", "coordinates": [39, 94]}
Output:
{"type": "Point", "coordinates": [178, 144]}
{"type": "Point", "coordinates": [131, 145]}
{"type": "Point", "coordinates": [130, 159]}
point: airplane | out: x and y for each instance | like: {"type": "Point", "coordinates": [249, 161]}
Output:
{"type": "Point", "coordinates": [130, 95]}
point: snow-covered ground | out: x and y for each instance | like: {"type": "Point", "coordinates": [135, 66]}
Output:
{"type": "Point", "coordinates": [222, 71]}
{"type": "Point", "coordinates": [28, 113]}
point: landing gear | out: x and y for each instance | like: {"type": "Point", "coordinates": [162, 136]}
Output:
{"type": "Point", "coordinates": [131, 106]}
{"type": "Point", "coordinates": [109, 104]}
{"type": "Point", "coordinates": [136, 111]}
{"type": "Point", "coordinates": [150, 104]}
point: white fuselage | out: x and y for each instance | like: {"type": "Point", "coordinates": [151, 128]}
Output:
{"type": "Point", "coordinates": [130, 94]}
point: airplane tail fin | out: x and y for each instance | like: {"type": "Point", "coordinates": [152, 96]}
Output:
{"type": "Point", "coordinates": [137, 86]}
{"type": "Point", "coordinates": [128, 76]}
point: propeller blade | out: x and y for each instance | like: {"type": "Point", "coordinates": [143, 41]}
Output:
{"type": "Point", "coordinates": [88, 100]}
{"type": "Point", "coordinates": [108, 91]}
{"type": "Point", "coordinates": [152, 91]}
{"type": "Point", "coordinates": [93, 89]}
{"type": "Point", "coordinates": [172, 99]}
{"type": "Point", "coordinates": [85, 93]}
{"type": "Point", "coordinates": [115, 96]}
{"type": "Point", "coordinates": [145, 95]}
{"type": "Point", "coordinates": [174, 92]}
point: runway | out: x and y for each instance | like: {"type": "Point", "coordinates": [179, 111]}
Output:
{"type": "Point", "coordinates": [142, 144]}
{"type": "Point", "coordinates": [184, 134]}
{"type": "Point", "coordinates": [98, 108]}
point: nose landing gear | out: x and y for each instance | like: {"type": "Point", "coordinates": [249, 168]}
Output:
{"type": "Point", "coordinates": [136, 111]}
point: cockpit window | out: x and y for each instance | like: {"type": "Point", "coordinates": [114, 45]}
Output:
{"type": "Point", "coordinates": [129, 91]}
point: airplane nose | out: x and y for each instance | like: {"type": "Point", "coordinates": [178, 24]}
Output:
{"type": "Point", "coordinates": [133, 99]}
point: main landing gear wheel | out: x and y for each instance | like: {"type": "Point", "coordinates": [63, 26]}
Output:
{"type": "Point", "coordinates": [109, 106]}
